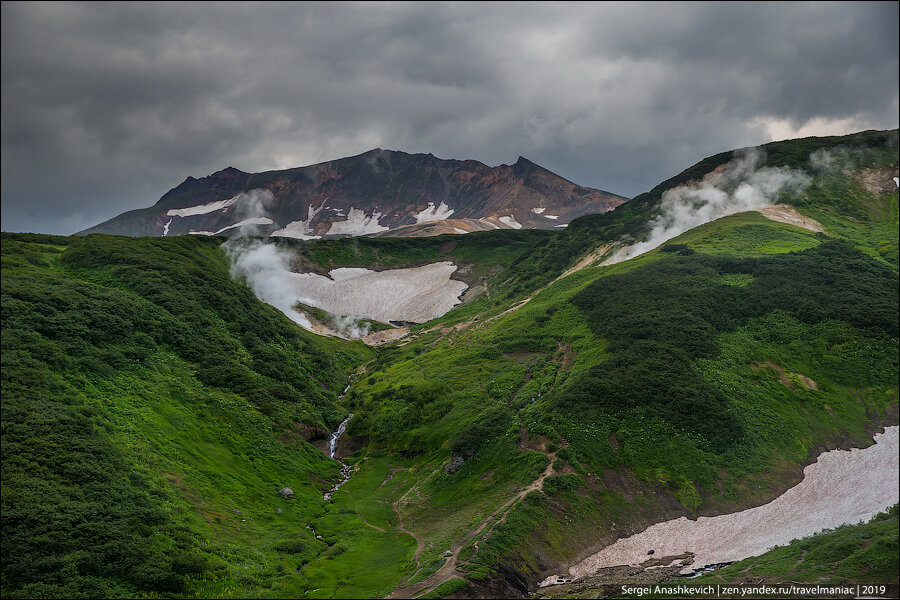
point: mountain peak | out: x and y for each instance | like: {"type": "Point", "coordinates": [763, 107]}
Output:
{"type": "Point", "coordinates": [228, 171]}
{"type": "Point", "coordinates": [376, 192]}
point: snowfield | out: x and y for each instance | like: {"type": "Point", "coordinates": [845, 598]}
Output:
{"type": "Point", "coordinates": [418, 294]}
{"type": "Point", "coordinates": [301, 230]}
{"type": "Point", "coordinates": [202, 209]}
{"type": "Point", "coordinates": [245, 222]}
{"type": "Point", "coordinates": [841, 487]}
{"type": "Point", "coordinates": [434, 214]}
{"type": "Point", "coordinates": [510, 222]}
{"type": "Point", "coordinates": [357, 223]}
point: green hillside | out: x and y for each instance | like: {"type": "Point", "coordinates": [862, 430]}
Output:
{"type": "Point", "coordinates": [153, 407]}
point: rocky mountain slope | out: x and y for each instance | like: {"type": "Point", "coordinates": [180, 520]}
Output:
{"type": "Point", "coordinates": [378, 192]}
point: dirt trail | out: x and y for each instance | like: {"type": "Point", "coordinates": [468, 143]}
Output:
{"type": "Point", "coordinates": [448, 570]}
{"type": "Point", "coordinates": [420, 544]}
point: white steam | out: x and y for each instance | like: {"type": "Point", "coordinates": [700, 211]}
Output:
{"type": "Point", "coordinates": [265, 269]}
{"type": "Point", "coordinates": [252, 209]}
{"type": "Point", "coordinates": [350, 327]}
{"type": "Point", "coordinates": [741, 186]}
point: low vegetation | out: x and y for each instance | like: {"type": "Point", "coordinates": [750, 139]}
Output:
{"type": "Point", "coordinates": [152, 407]}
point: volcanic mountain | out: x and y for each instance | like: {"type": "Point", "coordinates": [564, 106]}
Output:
{"type": "Point", "coordinates": [381, 192]}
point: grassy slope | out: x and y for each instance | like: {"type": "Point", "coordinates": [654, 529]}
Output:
{"type": "Point", "coordinates": [132, 465]}
{"type": "Point", "coordinates": [490, 371]}
{"type": "Point", "coordinates": [168, 389]}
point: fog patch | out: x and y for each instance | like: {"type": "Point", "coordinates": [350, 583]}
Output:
{"type": "Point", "coordinates": [741, 186]}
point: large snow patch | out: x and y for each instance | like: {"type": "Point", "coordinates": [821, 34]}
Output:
{"type": "Point", "coordinates": [357, 223]}
{"type": "Point", "coordinates": [203, 209]}
{"type": "Point", "coordinates": [418, 294]}
{"type": "Point", "coordinates": [433, 213]}
{"type": "Point", "coordinates": [841, 487]}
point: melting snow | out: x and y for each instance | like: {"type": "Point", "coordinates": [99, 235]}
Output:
{"type": "Point", "coordinates": [302, 230]}
{"type": "Point", "coordinates": [458, 230]}
{"type": "Point", "coordinates": [202, 209]}
{"type": "Point", "coordinates": [295, 229]}
{"type": "Point", "coordinates": [357, 223]}
{"type": "Point", "coordinates": [841, 487]}
{"type": "Point", "coordinates": [253, 221]}
{"type": "Point", "coordinates": [166, 227]}
{"type": "Point", "coordinates": [418, 294]}
{"type": "Point", "coordinates": [551, 216]}
{"type": "Point", "coordinates": [192, 232]}
{"type": "Point", "coordinates": [434, 214]}
{"type": "Point", "coordinates": [510, 221]}
{"type": "Point", "coordinates": [897, 181]}
{"type": "Point", "coordinates": [538, 211]}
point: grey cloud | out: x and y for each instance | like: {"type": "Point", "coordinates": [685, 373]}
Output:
{"type": "Point", "coordinates": [107, 106]}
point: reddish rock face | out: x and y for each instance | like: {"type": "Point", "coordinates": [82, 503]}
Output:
{"type": "Point", "coordinates": [381, 192]}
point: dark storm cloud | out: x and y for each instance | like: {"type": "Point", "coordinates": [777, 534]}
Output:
{"type": "Point", "coordinates": [107, 106]}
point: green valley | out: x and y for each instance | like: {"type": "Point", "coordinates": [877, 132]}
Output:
{"type": "Point", "coordinates": [153, 407]}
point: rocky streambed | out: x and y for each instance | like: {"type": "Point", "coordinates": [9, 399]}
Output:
{"type": "Point", "coordinates": [346, 470]}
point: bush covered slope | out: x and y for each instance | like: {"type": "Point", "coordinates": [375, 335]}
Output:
{"type": "Point", "coordinates": [127, 360]}
{"type": "Point", "coordinates": [152, 407]}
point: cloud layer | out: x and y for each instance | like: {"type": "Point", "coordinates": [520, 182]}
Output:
{"type": "Point", "coordinates": [107, 106]}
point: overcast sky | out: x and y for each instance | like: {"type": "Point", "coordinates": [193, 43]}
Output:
{"type": "Point", "coordinates": [107, 106]}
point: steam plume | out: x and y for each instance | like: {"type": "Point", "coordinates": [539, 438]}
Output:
{"type": "Point", "coordinates": [740, 187]}
{"type": "Point", "coordinates": [265, 269]}
{"type": "Point", "coordinates": [350, 327]}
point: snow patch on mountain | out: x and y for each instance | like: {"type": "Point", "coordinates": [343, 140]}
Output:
{"type": "Point", "coordinates": [202, 209]}
{"type": "Point", "coordinates": [434, 214]}
{"type": "Point", "coordinates": [245, 222]}
{"type": "Point", "coordinates": [301, 230]}
{"type": "Point", "coordinates": [510, 222]}
{"type": "Point", "coordinates": [357, 223]}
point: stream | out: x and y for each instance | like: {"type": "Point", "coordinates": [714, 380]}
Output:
{"type": "Point", "coordinates": [346, 470]}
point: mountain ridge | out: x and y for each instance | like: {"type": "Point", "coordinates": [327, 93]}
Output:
{"type": "Point", "coordinates": [375, 192]}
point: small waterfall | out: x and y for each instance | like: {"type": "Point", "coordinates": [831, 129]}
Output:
{"type": "Point", "coordinates": [337, 435]}
{"type": "Point", "coordinates": [346, 470]}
